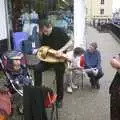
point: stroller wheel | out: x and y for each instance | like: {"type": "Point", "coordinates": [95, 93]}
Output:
{"type": "Point", "coordinates": [20, 109]}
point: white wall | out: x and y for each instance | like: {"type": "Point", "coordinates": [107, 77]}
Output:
{"type": "Point", "coordinates": [79, 23]}
{"type": "Point", "coordinates": [3, 27]}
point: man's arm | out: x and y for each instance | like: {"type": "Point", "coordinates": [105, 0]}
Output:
{"type": "Point", "coordinates": [115, 62]}
{"type": "Point", "coordinates": [66, 42]}
{"type": "Point", "coordinates": [66, 46]}
{"type": "Point", "coordinates": [99, 60]}
{"type": "Point", "coordinates": [59, 52]}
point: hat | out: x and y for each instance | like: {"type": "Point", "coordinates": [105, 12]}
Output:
{"type": "Point", "coordinates": [13, 55]}
{"type": "Point", "coordinates": [47, 54]}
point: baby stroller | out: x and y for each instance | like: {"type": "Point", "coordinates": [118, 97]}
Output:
{"type": "Point", "coordinates": [13, 64]}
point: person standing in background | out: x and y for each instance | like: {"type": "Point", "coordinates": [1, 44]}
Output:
{"type": "Point", "coordinates": [25, 17]}
{"type": "Point", "coordinates": [34, 21]}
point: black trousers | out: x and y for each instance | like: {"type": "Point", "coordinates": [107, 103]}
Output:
{"type": "Point", "coordinates": [115, 107]}
{"type": "Point", "coordinates": [95, 79]}
{"type": "Point", "coordinates": [59, 69]}
{"type": "Point", "coordinates": [33, 102]}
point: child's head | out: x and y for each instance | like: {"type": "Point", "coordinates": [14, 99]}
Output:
{"type": "Point", "coordinates": [78, 51]}
{"type": "Point", "coordinates": [13, 65]}
{"type": "Point", "coordinates": [16, 65]}
{"type": "Point", "coordinates": [13, 60]}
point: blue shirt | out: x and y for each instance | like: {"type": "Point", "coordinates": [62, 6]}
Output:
{"type": "Point", "coordinates": [92, 59]}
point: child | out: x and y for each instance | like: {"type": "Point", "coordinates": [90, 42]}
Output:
{"type": "Point", "coordinates": [75, 66]}
{"type": "Point", "coordinates": [16, 69]}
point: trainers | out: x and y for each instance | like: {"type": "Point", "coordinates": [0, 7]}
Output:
{"type": "Point", "coordinates": [97, 85]}
{"type": "Point", "coordinates": [59, 104]}
{"type": "Point", "coordinates": [74, 86]}
{"type": "Point", "coordinates": [69, 89]}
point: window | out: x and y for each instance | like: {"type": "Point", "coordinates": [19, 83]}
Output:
{"type": "Point", "coordinates": [102, 1]}
{"type": "Point", "coordinates": [101, 11]}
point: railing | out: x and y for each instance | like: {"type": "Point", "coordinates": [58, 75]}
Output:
{"type": "Point", "coordinates": [103, 27]}
{"type": "Point", "coordinates": [115, 29]}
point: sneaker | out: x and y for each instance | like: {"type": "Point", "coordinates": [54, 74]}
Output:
{"type": "Point", "coordinates": [92, 86]}
{"type": "Point", "coordinates": [59, 104]}
{"type": "Point", "coordinates": [74, 86]}
{"type": "Point", "coordinates": [97, 85]}
{"type": "Point", "coordinates": [69, 89]}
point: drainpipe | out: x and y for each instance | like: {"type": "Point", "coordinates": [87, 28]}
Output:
{"type": "Point", "coordinates": [79, 23]}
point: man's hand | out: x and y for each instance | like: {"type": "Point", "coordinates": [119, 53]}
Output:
{"type": "Point", "coordinates": [59, 54]}
{"type": "Point", "coordinates": [81, 68]}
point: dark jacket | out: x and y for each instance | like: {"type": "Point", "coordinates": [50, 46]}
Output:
{"type": "Point", "coordinates": [115, 85]}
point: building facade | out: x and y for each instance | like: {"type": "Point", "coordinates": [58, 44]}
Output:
{"type": "Point", "coordinates": [98, 10]}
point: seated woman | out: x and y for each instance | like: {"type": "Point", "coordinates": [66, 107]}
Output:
{"type": "Point", "coordinates": [114, 90]}
{"type": "Point", "coordinates": [93, 67]}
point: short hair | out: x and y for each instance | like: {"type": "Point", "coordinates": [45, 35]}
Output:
{"type": "Point", "coordinates": [94, 44]}
{"type": "Point", "coordinates": [78, 51]}
{"type": "Point", "coordinates": [44, 22]}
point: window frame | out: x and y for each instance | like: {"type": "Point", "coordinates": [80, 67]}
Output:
{"type": "Point", "coordinates": [102, 11]}
{"type": "Point", "coordinates": [102, 2]}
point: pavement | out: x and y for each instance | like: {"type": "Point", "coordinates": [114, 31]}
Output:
{"type": "Point", "coordinates": [90, 104]}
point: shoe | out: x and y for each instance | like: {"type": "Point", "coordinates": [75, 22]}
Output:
{"type": "Point", "coordinates": [97, 85]}
{"type": "Point", "coordinates": [69, 89]}
{"type": "Point", "coordinates": [92, 86]}
{"type": "Point", "coordinates": [74, 86]}
{"type": "Point", "coordinates": [59, 104]}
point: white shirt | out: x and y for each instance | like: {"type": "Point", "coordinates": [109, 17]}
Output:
{"type": "Point", "coordinates": [75, 61]}
{"type": "Point", "coordinates": [33, 15]}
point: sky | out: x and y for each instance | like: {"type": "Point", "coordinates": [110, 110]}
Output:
{"type": "Point", "coordinates": [116, 4]}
